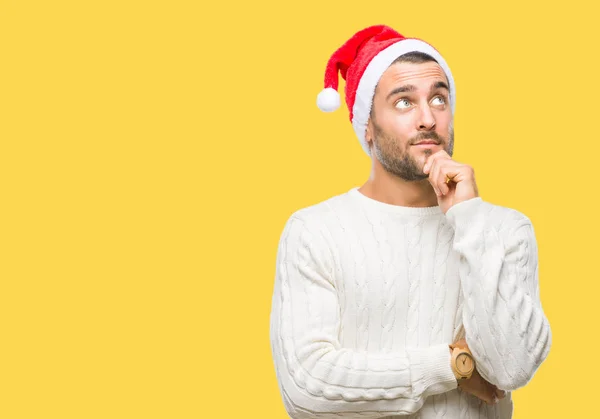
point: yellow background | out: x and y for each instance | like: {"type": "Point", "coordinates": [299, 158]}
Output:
{"type": "Point", "coordinates": [151, 152]}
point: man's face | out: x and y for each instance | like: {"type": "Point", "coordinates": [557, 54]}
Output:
{"type": "Point", "coordinates": [411, 104]}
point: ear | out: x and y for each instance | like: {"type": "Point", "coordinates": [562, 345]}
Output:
{"type": "Point", "coordinates": [369, 132]}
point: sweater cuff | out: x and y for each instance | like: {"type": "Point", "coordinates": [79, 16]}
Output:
{"type": "Point", "coordinates": [432, 370]}
{"type": "Point", "coordinates": [463, 214]}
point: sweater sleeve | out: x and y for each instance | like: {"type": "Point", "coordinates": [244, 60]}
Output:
{"type": "Point", "coordinates": [317, 376]}
{"type": "Point", "coordinates": [506, 328]}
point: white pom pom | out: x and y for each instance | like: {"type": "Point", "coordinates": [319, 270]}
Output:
{"type": "Point", "coordinates": [328, 100]}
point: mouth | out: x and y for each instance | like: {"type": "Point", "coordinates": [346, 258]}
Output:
{"type": "Point", "coordinates": [429, 143]}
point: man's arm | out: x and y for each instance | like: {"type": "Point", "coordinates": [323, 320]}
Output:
{"type": "Point", "coordinates": [506, 328]}
{"type": "Point", "coordinates": [316, 375]}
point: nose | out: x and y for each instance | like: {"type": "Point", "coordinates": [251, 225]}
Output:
{"type": "Point", "coordinates": [426, 119]}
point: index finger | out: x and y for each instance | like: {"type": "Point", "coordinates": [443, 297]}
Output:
{"type": "Point", "coordinates": [429, 161]}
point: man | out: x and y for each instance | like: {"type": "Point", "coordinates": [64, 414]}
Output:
{"type": "Point", "coordinates": [409, 296]}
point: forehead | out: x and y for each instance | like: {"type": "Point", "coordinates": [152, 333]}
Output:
{"type": "Point", "coordinates": [419, 75]}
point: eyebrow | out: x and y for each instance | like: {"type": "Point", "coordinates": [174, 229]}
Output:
{"type": "Point", "coordinates": [411, 88]}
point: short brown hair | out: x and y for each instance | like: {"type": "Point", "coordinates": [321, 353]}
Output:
{"type": "Point", "coordinates": [414, 57]}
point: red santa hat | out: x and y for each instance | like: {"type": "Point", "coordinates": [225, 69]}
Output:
{"type": "Point", "coordinates": [361, 61]}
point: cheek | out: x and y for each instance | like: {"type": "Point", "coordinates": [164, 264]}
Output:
{"type": "Point", "coordinates": [443, 120]}
{"type": "Point", "coordinates": [403, 129]}
{"type": "Point", "coordinates": [402, 125]}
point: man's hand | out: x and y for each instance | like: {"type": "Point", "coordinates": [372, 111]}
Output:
{"type": "Point", "coordinates": [479, 387]}
{"type": "Point", "coordinates": [462, 187]}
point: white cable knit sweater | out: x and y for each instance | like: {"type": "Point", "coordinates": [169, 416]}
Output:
{"type": "Point", "coordinates": [369, 295]}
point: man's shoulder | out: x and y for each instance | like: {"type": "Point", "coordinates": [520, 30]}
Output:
{"type": "Point", "coordinates": [322, 211]}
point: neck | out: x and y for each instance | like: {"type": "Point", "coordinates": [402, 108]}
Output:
{"type": "Point", "coordinates": [390, 189]}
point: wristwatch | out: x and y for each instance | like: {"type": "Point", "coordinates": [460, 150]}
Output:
{"type": "Point", "coordinates": [462, 361]}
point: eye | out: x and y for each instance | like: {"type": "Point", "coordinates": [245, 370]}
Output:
{"type": "Point", "coordinates": [440, 100]}
{"type": "Point", "coordinates": [403, 104]}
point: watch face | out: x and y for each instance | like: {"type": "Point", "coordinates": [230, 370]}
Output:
{"type": "Point", "coordinates": [464, 363]}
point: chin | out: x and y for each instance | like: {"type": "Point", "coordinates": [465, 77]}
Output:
{"type": "Point", "coordinates": [429, 151]}
{"type": "Point", "coordinates": [421, 159]}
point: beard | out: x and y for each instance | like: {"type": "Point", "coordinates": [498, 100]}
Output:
{"type": "Point", "coordinates": [395, 157]}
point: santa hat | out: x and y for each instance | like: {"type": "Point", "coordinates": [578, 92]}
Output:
{"type": "Point", "coordinates": [361, 62]}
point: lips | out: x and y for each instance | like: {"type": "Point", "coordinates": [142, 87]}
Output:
{"type": "Point", "coordinates": [431, 142]}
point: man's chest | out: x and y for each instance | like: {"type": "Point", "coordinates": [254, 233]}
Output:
{"type": "Point", "coordinates": [391, 277]}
